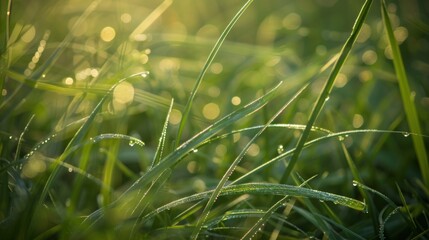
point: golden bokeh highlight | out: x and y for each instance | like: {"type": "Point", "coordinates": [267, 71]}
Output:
{"type": "Point", "coordinates": [235, 100]}
{"type": "Point", "coordinates": [107, 34]}
{"type": "Point", "coordinates": [211, 111]}
{"type": "Point", "coordinates": [175, 117]}
{"type": "Point", "coordinates": [123, 93]}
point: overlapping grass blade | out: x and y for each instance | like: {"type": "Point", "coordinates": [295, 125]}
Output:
{"type": "Point", "coordinates": [324, 95]}
{"type": "Point", "coordinates": [209, 60]}
{"type": "Point", "coordinates": [407, 98]}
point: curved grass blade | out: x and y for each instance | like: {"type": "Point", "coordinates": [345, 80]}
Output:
{"type": "Point", "coordinates": [267, 215]}
{"type": "Point", "coordinates": [235, 163]}
{"type": "Point", "coordinates": [209, 60]}
{"type": "Point", "coordinates": [327, 88]}
{"type": "Point", "coordinates": [407, 98]}
{"type": "Point", "coordinates": [265, 189]}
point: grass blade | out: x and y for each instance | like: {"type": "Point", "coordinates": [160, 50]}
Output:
{"type": "Point", "coordinates": [206, 66]}
{"type": "Point", "coordinates": [407, 98]}
{"type": "Point", "coordinates": [266, 188]}
{"type": "Point", "coordinates": [327, 88]}
{"type": "Point", "coordinates": [160, 148]}
{"type": "Point", "coordinates": [5, 7]}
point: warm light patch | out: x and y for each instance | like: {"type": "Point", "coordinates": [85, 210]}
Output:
{"type": "Point", "coordinates": [235, 100]}
{"type": "Point", "coordinates": [369, 57]}
{"type": "Point", "coordinates": [123, 93]}
{"type": "Point", "coordinates": [292, 21]}
{"type": "Point", "coordinates": [107, 34]}
{"type": "Point", "coordinates": [126, 18]}
{"type": "Point", "coordinates": [175, 117]}
{"type": "Point", "coordinates": [357, 121]}
{"type": "Point", "coordinates": [211, 111]}
{"type": "Point", "coordinates": [253, 150]}
{"type": "Point", "coordinates": [29, 34]}
{"type": "Point", "coordinates": [68, 81]}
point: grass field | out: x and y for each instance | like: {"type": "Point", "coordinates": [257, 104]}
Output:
{"type": "Point", "coordinates": [165, 119]}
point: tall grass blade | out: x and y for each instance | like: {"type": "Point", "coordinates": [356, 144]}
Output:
{"type": "Point", "coordinates": [5, 7]}
{"type": "Point", "coordinates": [160, 148]}
{"type": "Point", "coordinates": [235, 163]}
{"type": "Point", "coordinates": [407, 98]}
{"type": "Point", "coordinates": [327, 88]}
{"type": "Point", "coordinates": [209, 60]}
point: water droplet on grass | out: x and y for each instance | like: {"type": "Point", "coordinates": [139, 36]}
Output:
{"type": "Point", "coordinates": [326, 99]}
{"type": "Point", "coordinates": [131, 143]}
{"type": "Point", "coordinates": [280, 149]}
{"type": "Point", "coordinates": [144, 74]}
{"type": "Point", "coordinates": [406, 134]}
{"type": "Point", "coordinates": [70, 170]}
{"type": "Point", "coordinates": [355, 183]}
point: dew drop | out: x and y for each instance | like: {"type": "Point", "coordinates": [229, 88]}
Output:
{"type": "Point", "coordinates": [195, 150]}
{"type": "Point", "coordinates": [354, 184]}
{"type": "Point", "coordinates": [280, 149]}
{"type": "Point", "coordinates": [406, 134]}
{"type": "Point", "coordinates": [144, 74]}
{"type": "Point", "coordinates": [326, 99]}
{"type": "Point", "coordinates": [70, 170]}
{"type": "Point", "coordinates": [340, 138]}
{"type": "Point", "coordinates": [131, 143]}
{"type": "Point", "coordinates": [10, 137]}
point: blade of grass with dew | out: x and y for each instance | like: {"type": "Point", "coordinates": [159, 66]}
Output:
{"type": "Point", "coordinates": [235, 163]}
{"type": "Point", "coordinates": [144, 202]}
{"type": "Point", "coordinates": [177, 155]}
{"type": "Point", "coordinates": [160, 148]}
{"type": "Point", "coordinates": [327, 88]}
{"type": "Point", "coordinates": [407, 209]}
{"type": "Point", "coordinates": [209, 60]}
{"type": "Point", "coordinates": [368, 199]}
{"type": "Point", "coordinates": [407, 98]}
{"type": "Point", "coordinates": [267, 215]}
{"type": "Point", "coordinates": [265, 189]}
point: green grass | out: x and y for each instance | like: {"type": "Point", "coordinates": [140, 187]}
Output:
{"type": "Point", "coordinates": [214, 120]}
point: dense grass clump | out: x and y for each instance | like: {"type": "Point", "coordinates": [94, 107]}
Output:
{"type": "Point", "coordinates": [214, 119]}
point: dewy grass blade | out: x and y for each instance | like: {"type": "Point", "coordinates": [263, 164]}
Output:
{"type": "Point", "coordinates": [209, 60]}
{"type": "Point", "coordinates": [327, 88]}
{"type": "Point", "coordinates": [233, 165]}
{"type": "Point", "coordinates": [407, 98]}
{"type": "Point", "coordinates": [263, 189]}
{"type": "Point", "coordinates": [160, 148]}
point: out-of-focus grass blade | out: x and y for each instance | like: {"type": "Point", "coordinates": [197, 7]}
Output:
{"type": "Point", "coordinates": [5, 7]}
{"type": "Point", "coordinates": [407, 98]}
{"type": "Point", "coordinates": [324, 95]}
{"type": "Point", "coordinates": [206, 66]}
